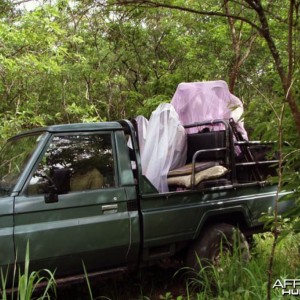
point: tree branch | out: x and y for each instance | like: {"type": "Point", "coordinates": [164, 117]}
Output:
{"type": "Point", "coordinates": [154, 4]}
{"type": "Point", "coordinates": [290, 44]}
{"type": "Point", "coordinates": [263, 30]}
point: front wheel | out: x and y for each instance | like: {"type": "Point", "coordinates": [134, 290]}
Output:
{"type": "Point", "coordinates": [214, 241]}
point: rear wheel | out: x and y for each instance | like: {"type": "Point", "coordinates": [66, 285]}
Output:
{"type": "Point", "coordinates": [216, 240]}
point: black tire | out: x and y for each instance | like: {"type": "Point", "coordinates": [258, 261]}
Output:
{"type": "Point", "coordinates": [214, 240]}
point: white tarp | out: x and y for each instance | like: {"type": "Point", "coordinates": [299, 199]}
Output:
{"type": "Point", "coordinates": [205, 101]}
{"type": "Point", "coordinates": [142, 125]}
{"type": "Point", "coordinates": [165, 147]}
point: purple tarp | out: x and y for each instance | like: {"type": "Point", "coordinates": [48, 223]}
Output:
{"type": "Point", "coordinates": [206, 101]}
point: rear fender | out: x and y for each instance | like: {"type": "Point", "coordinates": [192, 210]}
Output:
{"type": "Point", "coordinates": [237, 216]}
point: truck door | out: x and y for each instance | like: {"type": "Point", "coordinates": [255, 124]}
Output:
{"type": "Point", "coordinates": [6, 232]}
{"type": "Point", "coordinates": [73, 209]}
{"type": "Point", "coordinates": [14, 157]}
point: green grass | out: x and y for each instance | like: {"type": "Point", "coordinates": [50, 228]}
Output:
{"type": "Point", "coordinates": [231, 279]}
{"type": "Point", "coordinates": [234, 279]}
{"type": "Point", "coordinates": [28, 283]}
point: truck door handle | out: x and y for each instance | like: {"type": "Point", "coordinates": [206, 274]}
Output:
{"type": "Point", "coordinates": [109, 208]}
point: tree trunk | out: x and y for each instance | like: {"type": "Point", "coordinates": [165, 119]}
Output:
{"type": "Point", "coordinates": [285, 77]}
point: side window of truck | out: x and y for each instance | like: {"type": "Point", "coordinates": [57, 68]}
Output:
{"type": "Point", "coordinates": [74, 163]}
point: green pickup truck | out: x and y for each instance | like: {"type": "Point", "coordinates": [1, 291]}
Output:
{"type": "Point", "coordinates": [77, 193]}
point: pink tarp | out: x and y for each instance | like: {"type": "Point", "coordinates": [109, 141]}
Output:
{"type": "Point", "coordinates": [206, 101]}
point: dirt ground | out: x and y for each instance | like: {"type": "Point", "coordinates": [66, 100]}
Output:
{"type": "Point", "coordinates": [148, 283]}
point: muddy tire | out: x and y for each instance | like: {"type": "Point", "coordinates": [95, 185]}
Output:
{"type": "Point", "coordinates": [215, 240]}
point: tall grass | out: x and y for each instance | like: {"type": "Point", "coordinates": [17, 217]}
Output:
{"type": "Point", "coordinates": [235, 279]}
{"type": "Point", "coordinates": [232, 278]}
{"type": "Point", "coordinates": [28, 283]}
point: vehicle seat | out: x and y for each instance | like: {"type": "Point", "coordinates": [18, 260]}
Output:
{"type": "Point", "coordinates": [183, 177]}
{"type": "Point", "coordinates": [206, 141]}
{"type": "Point", "coordinates": [87, 179]}
{"type": "Point", "coordinates": [209, 163]}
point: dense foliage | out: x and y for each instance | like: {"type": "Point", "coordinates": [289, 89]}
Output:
{"type": "Point", "coordinates": [68, 61]}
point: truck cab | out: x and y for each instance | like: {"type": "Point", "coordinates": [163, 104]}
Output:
{"type": "Point", "coordinates": [67, 190]}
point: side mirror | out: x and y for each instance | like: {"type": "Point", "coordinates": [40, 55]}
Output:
{"type": "Point", "coordinates": [51, 196]}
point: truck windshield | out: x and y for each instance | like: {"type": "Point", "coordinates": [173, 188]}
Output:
{"type": "Point", "coordinates": [14, 157]}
